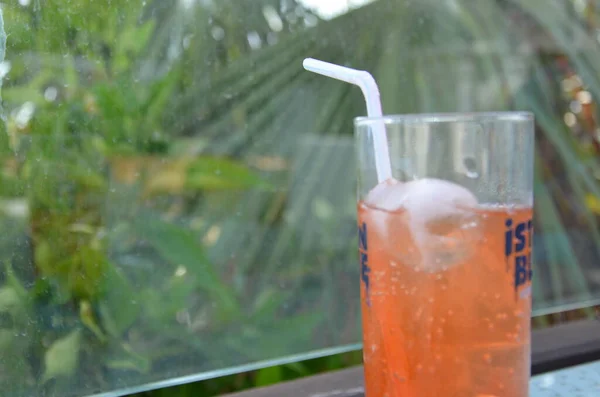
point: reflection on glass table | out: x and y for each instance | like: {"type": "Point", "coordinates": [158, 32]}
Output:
{"type": "Point", "coordinates": [581, 381]}
{"type": "Point", "coordinates": [177, 195]}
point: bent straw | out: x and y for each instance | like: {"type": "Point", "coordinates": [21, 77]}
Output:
{"type": "Point", "coordinates": [396, 358]}
{"type": "Point", "coordinates": [368, 86]}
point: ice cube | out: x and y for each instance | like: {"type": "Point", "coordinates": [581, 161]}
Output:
{"type": "Point", "coordinates": [431, 224]}
{"type": "Point", "coordinates": [388, 195]}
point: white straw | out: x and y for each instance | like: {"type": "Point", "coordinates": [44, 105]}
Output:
{"type": "Point", "coordinates": [369, 88]}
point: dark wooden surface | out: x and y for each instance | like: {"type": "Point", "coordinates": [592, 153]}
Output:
{"type": "Point", "coordinates": [552, 348]}
{"type": "Point", "coordinates": [345, 383]}
{"type": "Point", "coordinates": [565, 346]}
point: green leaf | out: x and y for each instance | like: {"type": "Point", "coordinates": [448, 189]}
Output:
{"type": "Point", "coordinates": [15, 283]}
{"type": "Point", "coordinates": [88, 318]}
{"type": "Point", "coordinates": [125, 358]}
{"type": "Point", "coordinates": [6, 339]}
{"type": "Point", "coordinates": [160, 308]}
{"type": "Point", "coordinates": [62, 357]}
{"type": "Point", "coordinates": [267, 303]}
{"type": "Point", "coordinates": [161, 93]}
{"type": "Point", "coordinates": [269, 376]}
{"type": "Point", "coordinates": [118, 307]}
{"type": "Point", "coordinates": [181, 248]}
{"type": "Point", "coordinates": [9, 300]}
{"type": "Point", "coordinates": [299, 368]}
{"type": "Point", "coordinates": [221, 173]}
{"type": "Point", "coordinates": [130, 43]}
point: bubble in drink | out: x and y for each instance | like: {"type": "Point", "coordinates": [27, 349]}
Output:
{"type": "Point", "coordinates": [443, 224]}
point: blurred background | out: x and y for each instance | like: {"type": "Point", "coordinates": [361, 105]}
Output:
{"type": "Point", "coordinates": [177, 196]}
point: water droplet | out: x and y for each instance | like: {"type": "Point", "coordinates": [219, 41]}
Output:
{"type": "Point", "coordinates": [4, 69]}
{"type": "Point", "coordinates": [218, 33]}
{"type": "Point", "coordinates": [24, 114]}
{"type": "Point", "coordinates": [430, 300]}
{"type": "Point", "coordinates": [450, 312]}
{"type": "Point", "coordinates": [497, 296]}
{"type": "Point", "coordinates": [487, 358]}
{"type": "Point", "coordinates": [471, 167]}
{"type": "Point", "coordinates": [419, 367]}
{"type": "Point", "coordinates": [438, 357]}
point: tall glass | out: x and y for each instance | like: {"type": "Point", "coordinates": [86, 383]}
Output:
{"type": "Point", "coordinates": [445, 254]}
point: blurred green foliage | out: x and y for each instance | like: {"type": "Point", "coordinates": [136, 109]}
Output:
{"type": "Point", "coordinates": [83, 127]}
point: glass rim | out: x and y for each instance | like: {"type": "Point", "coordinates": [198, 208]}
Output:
{"type": "Point", "coordinates": [464, 117]}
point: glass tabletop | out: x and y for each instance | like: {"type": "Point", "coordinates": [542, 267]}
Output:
{"type": "Point", "coordinates": [581, 381]}
{"type": "Point", "coordinates": [177, 196]}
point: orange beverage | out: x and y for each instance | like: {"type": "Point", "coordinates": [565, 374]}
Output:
{"type": "Point", "coordinates": [446, 299]}
{"type": "Point", "coordinates": [445, 253]}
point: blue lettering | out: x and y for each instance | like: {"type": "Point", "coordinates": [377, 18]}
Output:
{"type": "Point", "coordinates": [508, 239]}
{"type": "Point", "coordinates": [520, 236]}
{"type": "Point", "coordinates": [521, 271]}
{"type": "Point", "coordinates": [517, 242]}
{"type": "Point", "coordinates": [362, 237]}
{"type": "Point", "coordinates": [365, 270]}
